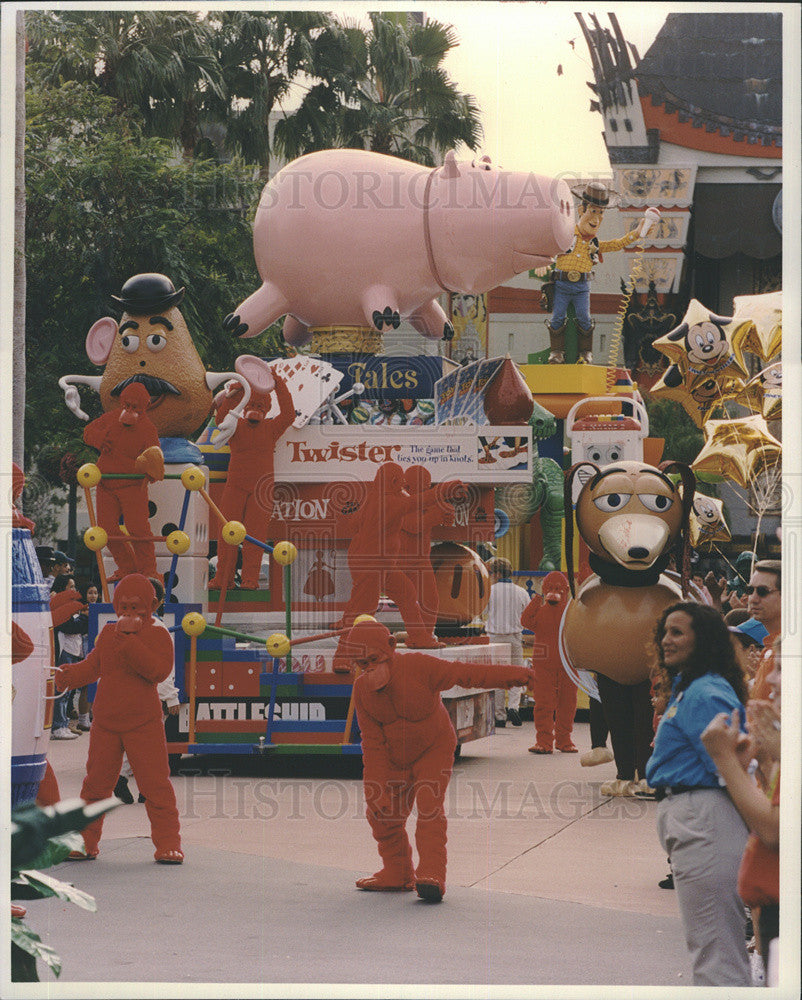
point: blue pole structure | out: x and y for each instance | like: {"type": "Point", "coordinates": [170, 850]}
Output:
{"type": "Point", "coordinates": [271, 710]}
{"type": "Point", "coordinates": [174, 561]}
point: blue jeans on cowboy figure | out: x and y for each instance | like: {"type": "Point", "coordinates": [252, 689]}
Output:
{"type": "Point", "coordinates": [577, 292]}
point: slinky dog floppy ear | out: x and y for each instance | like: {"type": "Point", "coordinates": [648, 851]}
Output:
{"type": "Point", "coordinates": [683, 546]}
{"type": "Point", "coordinates": [568, 503]}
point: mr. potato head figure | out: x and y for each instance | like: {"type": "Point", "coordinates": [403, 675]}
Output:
{"type": "Point", "coordinates": [129, 445]}
{"type": "Point", "coordinates": [408, 745]}
{"type": "Point", "coordinates": [151, 345]}
{"type": "Point", "coordinates": [130, 658]}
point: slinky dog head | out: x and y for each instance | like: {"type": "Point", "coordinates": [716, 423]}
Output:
{"type": "Point", "coordinates": [630, 514]}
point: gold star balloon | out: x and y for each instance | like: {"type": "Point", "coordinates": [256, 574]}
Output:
{"type": "Point", "coordinates": [757, 325]}
{"type": "Point", "coordinates": [707, 523]}
{"type": "Point", "coordinates": [699, 396]}
{"type": "Point", "coordinates": [763, 394]}
{"type": "Point", "coordinates": [740, 449]}
{"type": "Point", "coordinates": [700, 347]}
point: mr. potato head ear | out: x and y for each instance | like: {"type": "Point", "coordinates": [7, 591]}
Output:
{"type": "Point", "coordinates": [581, 470]}
{"type": "Point", "coordinates": [100, 340]}
{"type": "Point", "coordinates": [257, 373]}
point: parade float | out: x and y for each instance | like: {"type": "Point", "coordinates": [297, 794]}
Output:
{"type": "Point", "coordinates": [381, 239]}
{"type": "Point", "coordinates": [255, 654]}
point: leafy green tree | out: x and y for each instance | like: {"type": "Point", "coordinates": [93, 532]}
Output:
{"type": "Point", "coordinates": [396, 98]}
{"type": "Point", "coordinates": [161, 64]}
{"type": "Point", "coordinates": [106, 201]}
{"type": "Point", "coordinates": [669, 420]}
{"type": "Point", "coordinates": [262, 55]}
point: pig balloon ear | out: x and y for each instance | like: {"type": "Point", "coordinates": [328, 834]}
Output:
{"type": "Point", "coordinates": [100, 339]}
{"type": "Point", "coordinates": [450, 168]}
{"type": "Point", "coordinates": [257, 373]}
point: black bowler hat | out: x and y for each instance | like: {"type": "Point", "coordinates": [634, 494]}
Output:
{"type": "Point", "coordinates": [148, 293]}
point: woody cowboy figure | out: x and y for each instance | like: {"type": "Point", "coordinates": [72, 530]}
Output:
{"type": "Point", "coordinates": [573, 270]}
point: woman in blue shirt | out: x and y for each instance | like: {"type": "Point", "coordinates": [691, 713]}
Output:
{"type": "Point", "coordinates": [698, 825]}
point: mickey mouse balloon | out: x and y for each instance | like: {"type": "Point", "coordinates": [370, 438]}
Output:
{"type": "Point", "coordinates": [700, 347]}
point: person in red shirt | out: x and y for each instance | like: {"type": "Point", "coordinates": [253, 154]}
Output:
{"type": "Point", "coordinates": [758, 804]}
{"type": "Point", "coordinates": [247, 496]}
{"type": "Point", "coordinates": [408, 745]}
{"type": "Point", "coordinates": [131, 656]}
{"type": "Point", "coordinates": [128, 442]}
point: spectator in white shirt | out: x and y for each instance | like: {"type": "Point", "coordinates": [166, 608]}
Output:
{"type": "Point", "coordinates": [507, 602]}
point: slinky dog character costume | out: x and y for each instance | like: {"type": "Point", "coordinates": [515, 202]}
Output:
{"type": "Point", "coordinates": [128, 443]}
{"type": "Point", "coordinates": [408, 745]}
{"type": "Point", "coordinates": [247, 496]}
{"type": "Point", "coordinates": [131, 656]}
{"type": "Point", "coordinates": [632, 517]}
{"type": "Point", "coordinates": [554, 691]}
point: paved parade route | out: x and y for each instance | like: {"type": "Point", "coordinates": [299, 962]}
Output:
{"type": "Point", "coordinates": [548, 883]}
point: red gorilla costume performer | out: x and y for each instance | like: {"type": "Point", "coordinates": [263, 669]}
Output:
{"type": "Point", "coordinates": [374, 558]}
{"type": "Point", "coordinates": [428, 512]}
{"type": "Point", "coordinates": [248, 493]}
{"type": "Point", "coordinates": [408, 747]}
{"type": "Point", "coordinates": [131, 656]}
{"type": "Point", "coordinates": [554, 691]}
{"type": "Point", "coordinates": [128, 443]}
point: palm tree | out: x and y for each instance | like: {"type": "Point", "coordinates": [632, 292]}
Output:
{"type": "Point", "coordinates": [262, 54]}
{"type": "Point", "coordinates": [159, 63]}
{"type": "Point", "coordinates": [396, 98]}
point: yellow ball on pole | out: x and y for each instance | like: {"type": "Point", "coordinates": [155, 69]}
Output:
{"type": "Point", "coordinates": [192, 478]}
{"type": "Point", "coordinates": [95, 538]}
{"type": "Point", "coordinates": [177, 542]}
{"type": "Point", "coordinates": [285, 553]}
{"type": "Point", "coordinates": [193, 623]}
{"type": "Point", "coordinates": [88, 475]}
{"type": "Point", "coordinates": [277, 644]}
{"type": "Point", "coordinates": [233, 533]}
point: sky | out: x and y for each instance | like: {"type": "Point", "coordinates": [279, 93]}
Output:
{"type": "Point", "coordinates": [508, 58]}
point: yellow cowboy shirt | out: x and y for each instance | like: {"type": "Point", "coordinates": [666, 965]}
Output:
{"type": "Point", "coordinates": [584, 253]}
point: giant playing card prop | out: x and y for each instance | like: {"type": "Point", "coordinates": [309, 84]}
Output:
{"type": "Point", "coordinates": [311, 382]}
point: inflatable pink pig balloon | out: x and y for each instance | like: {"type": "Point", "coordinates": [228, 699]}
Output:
{"type": "Point", "coordinates": [353, 238]}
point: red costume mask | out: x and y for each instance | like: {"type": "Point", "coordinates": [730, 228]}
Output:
{"type": "Point", "coordinates": [417, 478]}
{"type": "Point", "coordinates": [257, 408]}
{"type": "Point", "coordinates": [390, 478]}
{"type": "Point", "coordinates": [134, 601]}
{"type": "Point", "coordinates": [371, 645]}
{"type": "Point", "coordinates": [555, 588]}
{"type": "Point", "coordinates": [134, 400]}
